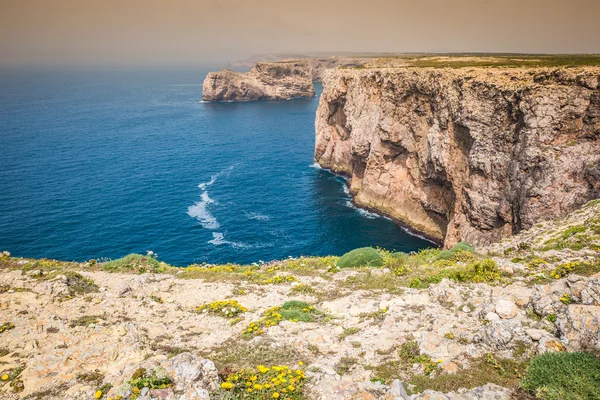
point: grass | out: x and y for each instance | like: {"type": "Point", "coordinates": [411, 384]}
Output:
{"type": "Point", "coordinates": [348, 331]}
{"type": "Point", "coordinates": [563, 376]}
{"type": "Point", "coordinates": [384, 282]}
{"type": "Point", "coordinates": [85, 320]}
{"type": "Point", "coordinates": [517, 60]}
{"type": "Point", "coordinates": [236, 274]}
{"type": "Point", "coordinates": [344, 365]}
{"type": "Point", "coordinates": [483, 370]}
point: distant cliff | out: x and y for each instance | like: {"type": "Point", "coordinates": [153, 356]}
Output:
{"type": "Point", "coordinates": [471, 154]}
{"type": "Point", "coordinates": [266, 81]}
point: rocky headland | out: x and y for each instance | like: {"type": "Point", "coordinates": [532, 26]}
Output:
{"type": "Point", "coordinates": [472, 154]}
{"type": "Point", "coordinates": [265, 81]}
{"type": "Point", "coordinates": [455, 324]}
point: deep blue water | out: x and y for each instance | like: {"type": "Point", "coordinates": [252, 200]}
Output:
{"type": "Point", "coordinates": [99, 164]}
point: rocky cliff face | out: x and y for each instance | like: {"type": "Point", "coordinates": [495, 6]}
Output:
{"type": "Point", "coordinates": [266, 81]}
{"type": "Point", "coordinates": [464, 154]}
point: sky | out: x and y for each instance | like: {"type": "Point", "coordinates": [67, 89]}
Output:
{"type": "Point", "coordinates": [184, 32]}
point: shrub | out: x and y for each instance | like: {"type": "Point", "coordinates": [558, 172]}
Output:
{"type": "Point", "coordinates": [563, 376]}
{"type": "Point", "coordinates": [460, 246]}
{"type": "Point", "coordinates": [363, 257]}
{"type": "Point", "coordinates": [156, 378]}
{"type": "Point", "coordinates": [293, 310]}
{"type": "Point", "coordinates": [223, 308]}
{"type": "Point", "coordinates": [136, 263]}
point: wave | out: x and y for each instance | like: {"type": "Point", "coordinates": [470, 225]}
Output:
{"type": "Point", "coordinates": [412, 233]}
{"type": "Point", "coordinates": [201, 213]}
{"type": "Point", "coordinates": [200, 209]}
{"type": "Point", "coordinates": [214, 178]}
{"type": "Point", "coordinates": [219, 240]}
{"type": "Point", "coordinates": [365, 213]}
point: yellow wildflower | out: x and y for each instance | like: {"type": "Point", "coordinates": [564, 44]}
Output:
{"type": "Point", "coordinates": [300, 363]}
{"type": "Point", "coordinates": [5, 377]}
{"type": "Point", "coordinates": [226, 385]}
{"type": "Point", "coordinates": [275, 395]}
{"type": "Point", "coordinates": [98, 394]}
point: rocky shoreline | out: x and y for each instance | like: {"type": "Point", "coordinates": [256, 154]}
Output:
{"type": "Point", "coordinates": [422, 323]}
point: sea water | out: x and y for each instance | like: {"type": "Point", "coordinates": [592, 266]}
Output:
{"type": "Point", "coordinates": [99, 164]}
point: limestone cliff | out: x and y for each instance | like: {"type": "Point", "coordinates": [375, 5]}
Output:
{"type": "Point", "coordinates": [266, 81]}
{"type": "Point", "coordinates": [471, 154]}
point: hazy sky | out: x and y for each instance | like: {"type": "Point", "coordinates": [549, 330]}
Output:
{"type": "Point", "coordinates": [124, 32]}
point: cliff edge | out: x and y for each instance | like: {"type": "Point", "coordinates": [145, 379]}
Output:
{"type": "Point", "coordinates": [266, 81]}
{"type": "Point", "coordinates": [464, 154]}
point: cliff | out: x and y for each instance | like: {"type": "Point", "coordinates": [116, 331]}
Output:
{"type": "Point", "coordinates": [317, 64]}
{"type": "Point", "coordinates": [464, 154]}
{"type": "Point", "coordinates": [266, 81]}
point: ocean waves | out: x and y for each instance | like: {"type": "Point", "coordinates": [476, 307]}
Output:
{"type": "Point", "coordinates": [201, 209]}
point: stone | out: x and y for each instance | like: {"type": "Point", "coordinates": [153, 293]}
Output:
{"type": "Point", "coordinates": [492, 316]}
{"type": "Point", "coordinates": [536, 334]}
{"type": "Point", "coordinates": [192, 375]}
{"type": "Point", "coordinates": [506, 309]}
{"type": "Point", "coordinates": [580, 327]}
{"type": "Point", "coordinates": [551, 345]}
{"type": "Point", "coordinates": [396, 392]}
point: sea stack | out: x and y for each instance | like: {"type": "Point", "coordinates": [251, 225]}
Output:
{"type": "Point", "coordinates": [266, 81]}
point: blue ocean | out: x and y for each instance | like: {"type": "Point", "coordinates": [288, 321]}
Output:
{"type": "Point", "coordinates": [99, 164]}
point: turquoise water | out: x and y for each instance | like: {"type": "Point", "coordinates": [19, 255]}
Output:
{"type": "Point", "coordinates": [99, 164]}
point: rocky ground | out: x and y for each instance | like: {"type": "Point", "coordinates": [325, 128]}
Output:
{"type": "Point", "coordinates": [463, 323]}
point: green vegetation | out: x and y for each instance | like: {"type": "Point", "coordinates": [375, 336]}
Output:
{"type": "Point", "coordinates": [223, 308]}
{"type": "Point", "coordinates": [483, 370]}
{"type": "Point", "coordinates": [293, 311]}
{"type": "Point", "coordinates": [85, 320]}
{"type": "Point", "coordinates": [362, 257]}
{"type": "Point", "coordinates": [136, 263]}
{"type": "Point", "coordinates": [478, 271]}
{"type": "Point", "coordinates": [157, 378]}
{"type": "Point", "coordinates": [450, 253]}
{"type": "Point", "coordinates": [375, 281]}
{"type": "Point", "coordinates": [563, 376]}
{"type": "Point", "coordinates": [344, 365]}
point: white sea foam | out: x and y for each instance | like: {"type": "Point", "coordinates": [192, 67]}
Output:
{"type": "Point", "coordinates": [419, 236]}
{"type": "Point", "coordinates": [219, 240]}
{"type": "Point", "coordinates": [200, 210]}
{"type": "Point", "coordinates": [317, 166]}
{"type": "Point", "coordinates": [257, 216]}
{"type": "Point", "coordinates": [364, 213]}
{"type": "Point", "coordinates": [201, 213]}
